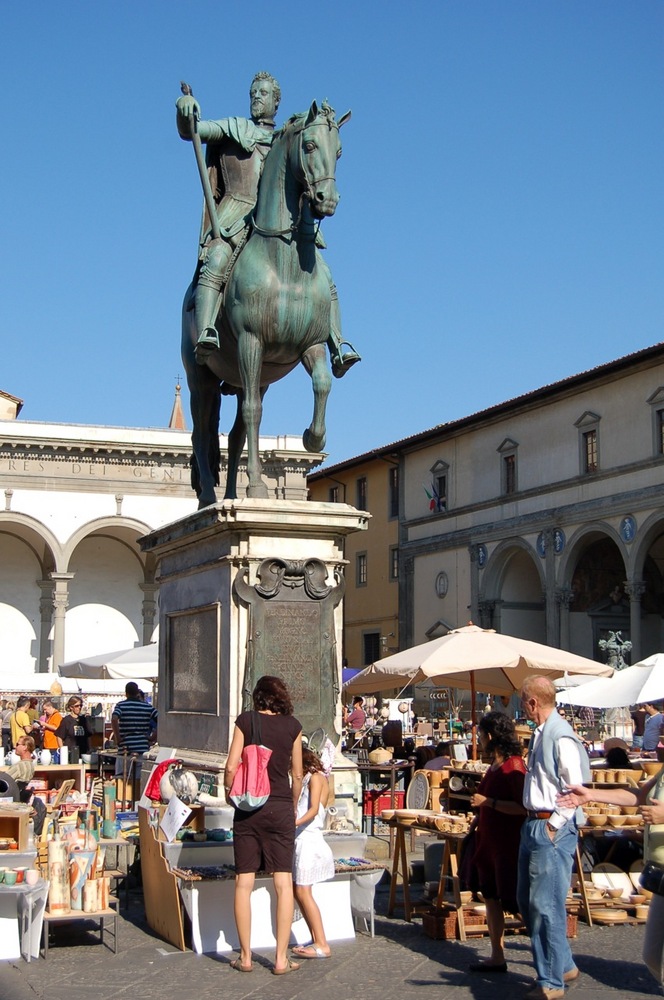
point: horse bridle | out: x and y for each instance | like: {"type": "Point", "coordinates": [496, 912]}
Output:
{"type": "Point", "coordinates": [308, 185]}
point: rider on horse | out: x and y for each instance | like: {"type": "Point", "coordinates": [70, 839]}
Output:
{"type": "Point", "coordinates": [236, 150]}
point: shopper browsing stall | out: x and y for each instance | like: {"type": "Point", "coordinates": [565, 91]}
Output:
{"type": "Point", "coordinates": [650, 799]}
{"type": "Point", "coordinates": [313, 856]}
{"type": "Point", "coordinates": [263, 839]}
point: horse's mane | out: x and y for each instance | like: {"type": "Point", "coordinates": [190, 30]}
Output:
{"type": "Point", "coordinates": [296, 121]}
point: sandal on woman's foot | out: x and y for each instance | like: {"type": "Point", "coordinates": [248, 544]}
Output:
{"type": "Point", "coordinates": [488, 967]}
{"type": "Point", "coordinates": [239, 967]}
{"type": "Point", "coordinates": [289, 967]}
{"type": "Point", "coordinates": [310, 951]}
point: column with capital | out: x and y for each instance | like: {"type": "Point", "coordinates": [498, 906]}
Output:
{"type": "Point", "coordinates": [149, 609]}
{"type": "Point", "coordinates": [60, 605]}
{"type": "Point", "coordinates": [486, 612]}
{"type": "Point", "coordinates": [473, 551]}
{"type": "Point", "coordinates": [46, 619]}
{"type": "Point", "coordinates": [635, 589]}
{"type": "Point", "coordinates": [564, 598]}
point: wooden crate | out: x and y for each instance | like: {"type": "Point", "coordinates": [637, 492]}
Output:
{"type": "Point", "coordinates": [14, 825]}
{"type": "Point", "coordinates": [195, 822]}
{"type": "Point", "coordinates": [443, 924]}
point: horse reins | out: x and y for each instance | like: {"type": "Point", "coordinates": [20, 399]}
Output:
{"type": "Point", "coordinates": [292, 230]}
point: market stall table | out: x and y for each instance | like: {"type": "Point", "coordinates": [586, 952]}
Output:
{"type": "Point", "coordinates": [385, 776]}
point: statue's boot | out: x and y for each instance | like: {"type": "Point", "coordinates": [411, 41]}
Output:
{"type": "Point", "coordinates": [342, 360]}
{"type": "Point", "coordinates": [207, 343]}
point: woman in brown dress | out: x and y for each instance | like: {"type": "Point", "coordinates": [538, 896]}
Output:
{"type": "Point", "coordinates": [264, 839]}
{"type": "Point", "coordinates": [501, 815]}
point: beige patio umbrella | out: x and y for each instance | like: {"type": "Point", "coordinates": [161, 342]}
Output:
{"type": "Point", "coordinates": [471, 657]}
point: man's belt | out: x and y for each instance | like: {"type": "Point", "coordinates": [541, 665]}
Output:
{"type": "Point", "coordinates": [542, 814]}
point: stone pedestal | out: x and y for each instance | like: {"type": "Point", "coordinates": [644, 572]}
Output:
{"type": "Point", "coordinates": [248, 587]}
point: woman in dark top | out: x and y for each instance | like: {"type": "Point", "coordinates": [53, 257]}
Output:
{"type": "Point", "coordinates": [74, 728]}
{"type": "Point", "coordinates": [264, 839]}
{"type": "Point", "coordinates": [499, 799]}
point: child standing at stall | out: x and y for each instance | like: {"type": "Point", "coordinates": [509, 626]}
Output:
{"type": "Point", "coordinates": [313, 860]}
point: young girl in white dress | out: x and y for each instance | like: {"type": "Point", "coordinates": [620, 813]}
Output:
{"type": "Point", "coordinates": [313, 860]}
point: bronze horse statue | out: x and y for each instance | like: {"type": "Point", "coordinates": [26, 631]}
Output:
{"type": "Point", "coordinates": [276, 308]}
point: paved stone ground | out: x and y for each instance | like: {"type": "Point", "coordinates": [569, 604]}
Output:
{"type": "Point", "coordinates": [400, 963]}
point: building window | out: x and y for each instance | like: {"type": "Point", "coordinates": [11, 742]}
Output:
{"type": "Point", "coordinates": [394, 562]}
{"type": "Point", "coordinates": [393, 481]}
{"type": "Point", "coordinates": [588, 427]}
{"type": "Point", "coordinates": [509, 473]}
{"type": "Point", "coordinates": [438, 491]}
{"type": "Point", "coordinates": [361, 569]}
{"type": "Point", "coordinates": [361, 502]}
{"type": "Point", "coordinates": [507, 451]}
{"type": "Point", "coordinates": [656, 401]}
{"type": "Point", "coordinates": [660, 431]}
{"type": "Point", "coordinates": [333, 495]}
{"type": "Point", "coordinates": [590, 460]}
{"type": "Point", "coordinates": [371, 642]}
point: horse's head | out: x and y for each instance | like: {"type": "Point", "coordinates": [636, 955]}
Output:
{"type": "Point", "coordinates": [314, 157]}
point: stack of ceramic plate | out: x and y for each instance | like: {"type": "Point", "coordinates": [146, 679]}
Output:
{"type": "Point", "coordinates": [609, 916]}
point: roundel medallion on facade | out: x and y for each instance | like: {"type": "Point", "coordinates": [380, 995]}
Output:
{"type": "Point", "coordinates": [442, 584]}
{"type": "Point", "coordinates": [628, 528]}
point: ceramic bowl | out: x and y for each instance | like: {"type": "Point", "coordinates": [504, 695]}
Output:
{"type": "Point", "coordinates": [651, 767]}
{"type": "Point", "coordinates": [598, 820]}
{"type": "Point", "coordinates": [615, 820]}
{"type": "Point", "coordinates": [86, 758]}
{"type": "Point", "coordinates": [614, 893]}
{"type": "Point", "coordinates": [637, 898]}
{"type": "Point", "coordinates": [629, 810]}
{"type": "Point", "coordinates": [633, 821]}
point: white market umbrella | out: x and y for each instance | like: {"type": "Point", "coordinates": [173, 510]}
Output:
{"type": "Point", "coordinates": [644, 682]}
{"type": "Point", "coordinates": [138, 663]}
{"type": "Point", "coordinates": [455, 660]}
{"type": "Point", "coordinates": [468, 656]}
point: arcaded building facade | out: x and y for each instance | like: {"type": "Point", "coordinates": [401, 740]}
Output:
{"type": "Point", "coordinates": [542, 517]}
{"type": "Point", "coordinates": [74, 502]}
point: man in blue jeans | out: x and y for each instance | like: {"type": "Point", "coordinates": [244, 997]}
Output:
{"type": "Point", "coordinates": [556, 759]}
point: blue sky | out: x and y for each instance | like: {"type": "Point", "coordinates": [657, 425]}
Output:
{"type": "Point", "coordinates": [501, 222]}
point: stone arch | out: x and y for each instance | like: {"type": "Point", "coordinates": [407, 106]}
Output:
{"type": "Point", "coordinates": [512, 595]}
{"type": "Point", "coordinates": [29, 554]}
{"type": "Point", "coordinates": [647, 577]}
{"type": "Point", "coordinates": [111, 591]}
{"type": "Point", "coordinates": [593, 570]}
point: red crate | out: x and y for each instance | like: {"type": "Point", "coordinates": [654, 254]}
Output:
{"type": "Point", "coordinates": [374, 801]}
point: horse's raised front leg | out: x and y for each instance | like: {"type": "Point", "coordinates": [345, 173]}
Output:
{"type": "Point", "coordinates": [250, 359]}
{"type": "Point", "coordinates": [315, 362]}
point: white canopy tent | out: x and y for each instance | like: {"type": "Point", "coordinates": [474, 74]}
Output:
{"type": "Point", "coordinates": [644, 682]}
{"type": "Point", "coordinates": [141, 663]}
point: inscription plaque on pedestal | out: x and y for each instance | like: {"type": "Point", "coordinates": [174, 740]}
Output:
{"type": "Point", "coordinates": [192, 660]}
